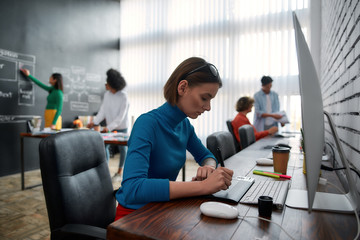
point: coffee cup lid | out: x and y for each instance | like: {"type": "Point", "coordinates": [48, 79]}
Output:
{"type": "Point", "coordinates": [280, 149]}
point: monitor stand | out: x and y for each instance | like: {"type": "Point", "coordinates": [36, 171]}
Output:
{"type": "Point", "coordinates": [331, 202]}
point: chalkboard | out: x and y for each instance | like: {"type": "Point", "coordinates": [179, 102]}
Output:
{"type": "Point", "coordinates": [77, 38]}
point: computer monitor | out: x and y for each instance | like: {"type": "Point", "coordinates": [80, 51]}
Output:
{"type": "Point", "coordinates": [314, 138]}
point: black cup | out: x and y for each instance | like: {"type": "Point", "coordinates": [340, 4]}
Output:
{"type": "Point", "coordinates": [265, 204]}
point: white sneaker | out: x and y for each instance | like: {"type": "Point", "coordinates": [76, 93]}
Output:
{"type": "Point", "coordinates": [116, 178]}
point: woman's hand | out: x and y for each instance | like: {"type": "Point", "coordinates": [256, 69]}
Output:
{"type": "Point", "coordinates": [203, 172]}
{"type": "Point", "coordinates": [273, 130]}
{"type": "Point", "coordinates": [219, 179]}
{"type": "Point", "coordinates": [53, 127]}
{"type": "Point", "coordinates": [25, 71]}
{"type": "Point", "coordinates": [105, 130]}
{"type": "Point", "coordinates": [90, 125]}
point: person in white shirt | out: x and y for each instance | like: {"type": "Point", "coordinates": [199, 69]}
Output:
{"type": "Point", "coordinates": [266, 106]}
{"type": "Point", "coordinates": [114, 109]}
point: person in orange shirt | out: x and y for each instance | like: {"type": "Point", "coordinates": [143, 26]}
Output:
{"type": "Point", "coordinates": [243, 107]}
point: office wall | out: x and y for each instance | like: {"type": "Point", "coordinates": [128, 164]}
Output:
{"type": "Point", "coordinates": [78, 38]}
{"type": "Point", "coordinates": [340, 75]}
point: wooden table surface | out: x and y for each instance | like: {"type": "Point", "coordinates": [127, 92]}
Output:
{"type": "Point", "coordinates": [182, 219]}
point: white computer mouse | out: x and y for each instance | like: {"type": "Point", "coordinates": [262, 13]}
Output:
{"type": "Point", "coordinates": [264, 162]}
{"type": "Point", "coordinates": [219, 210]}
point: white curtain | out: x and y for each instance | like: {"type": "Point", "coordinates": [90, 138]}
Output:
{"type": "Point", "coordinates": [244, 39]}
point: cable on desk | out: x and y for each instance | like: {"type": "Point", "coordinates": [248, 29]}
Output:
{"type": "Point", "coordinates": [326, 168]}
{"type": "Point", "coordinates": [267, 220]}
{"type": "Point", "coordinates": [356, 213]}
{"type": "Point", "coordinates": [334, 169]}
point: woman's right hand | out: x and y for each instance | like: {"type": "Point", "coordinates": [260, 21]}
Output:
{"type": "Point", "coordinates": [220, 179]}
{"type": "Point", "coordinates": [25, 71]}
{"type": "Point", "coordinates": [273, 130]}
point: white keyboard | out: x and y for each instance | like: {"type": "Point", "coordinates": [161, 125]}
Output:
{"type": "Point", "coordinates": [276, 189]}
{"type": "Point", "coordinates": [247, 190]}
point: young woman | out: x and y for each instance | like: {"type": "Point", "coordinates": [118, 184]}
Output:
{"type": "Point", "coordinates": [243, 107]}
{"type": "Point", "coordinates": [114, 109]}
{"type": "Point", "coordinates": [52, 115]}
{"type": "Point", "coordinates": [160, 138]}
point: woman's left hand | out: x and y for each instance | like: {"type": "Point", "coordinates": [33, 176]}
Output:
{"type": "Point", "coordinates": [25, 71]}
{"type": "Point", "coordinates": [53, 127]}
{"type": "Point", "coordinates": [203, 172]}
{"type": "Point", "coordinates": [105, 130]}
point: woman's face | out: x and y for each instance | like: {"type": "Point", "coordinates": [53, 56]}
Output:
{"type": "Point", "coordinates": [250, 108]}
{"type": "Point", "coordinates": [193, 101]}
{"type": "Point", "coordinates": [52, 81]}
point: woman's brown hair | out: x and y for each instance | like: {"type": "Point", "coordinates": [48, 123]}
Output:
{"type": "Point", "coordinates": [59, 80]}
{"type": "Point", "coordinates": [185, 70]}
{"type": "Point", "coordinates": [243, 103]}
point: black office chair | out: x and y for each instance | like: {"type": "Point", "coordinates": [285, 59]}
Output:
{"type": "Point", "coordinates": [221, 144]}
{"type": "Point", "coordinates": [247, 135]}
{"type": "Point", "coordinates": [77, 185]}
{"type": "Point", "coordinates": [231, 130]}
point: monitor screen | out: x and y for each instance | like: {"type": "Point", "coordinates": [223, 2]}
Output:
{"type": "Point", "coordinates": [314, 139]}
{"type": "Point", "coordinates": [311, 112]}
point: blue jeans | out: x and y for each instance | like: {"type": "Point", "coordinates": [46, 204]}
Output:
{"type": "Point", "coordinates": [122, 150]}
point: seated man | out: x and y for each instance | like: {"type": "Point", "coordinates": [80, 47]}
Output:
{"type": "Point", "coordinates": [243, 107]}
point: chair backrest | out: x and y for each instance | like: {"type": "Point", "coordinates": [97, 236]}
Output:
{"type": "Point", "coordinates": [221, 144]}
{"type": "Point", "coordinates": [76, 179]}
{"type": "Point", "coordinates": [247, 135]}
{"type": "Point", "coordinates": [231, 130]}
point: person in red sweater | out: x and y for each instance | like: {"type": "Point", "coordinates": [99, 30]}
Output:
{"type": "Point", "coordinates": [244, 106]}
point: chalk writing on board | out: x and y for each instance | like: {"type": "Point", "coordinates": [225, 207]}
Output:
{"type": "Point", "coordinates": [16, 118]}
{"type": "Point", "coordinates": [80, 87]}
{"type": "Point", "coordinates": [10, 63]}
{"type": "Point", "coordinates": [6, 94]}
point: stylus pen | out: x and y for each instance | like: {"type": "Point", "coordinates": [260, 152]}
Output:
{"type": "Point", "coordinates": [266, 174]}
{"type": "Point", "coordinates": [275, 173]}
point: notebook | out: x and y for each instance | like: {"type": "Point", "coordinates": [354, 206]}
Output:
{"type": "Point", "coordinates": [246, 190]}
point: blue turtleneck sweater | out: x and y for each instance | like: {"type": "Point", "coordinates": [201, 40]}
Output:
{"type": "Point", "coordinates": [156, 153]}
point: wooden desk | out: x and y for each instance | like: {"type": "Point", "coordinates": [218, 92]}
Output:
{"type": "Point", "coordinates": [30, 135]}
{"type": "Point", "coordinates": [181, 219]}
